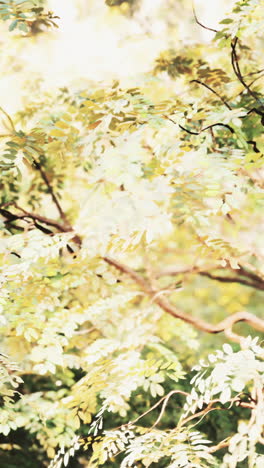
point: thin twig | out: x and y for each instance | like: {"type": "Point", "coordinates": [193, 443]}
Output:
{"type": "Point", "coordinates": [210, 408]}
{"type": "Point", "coordinates": [200, 24]}
{"type": "Point", "coordinates": [42, 219]}
{"type": "Point", "coordinates": [213, 91]}
{"type": "Point", "coordinates": [225, 443]}
{"type": "Point", "coordinates": [52, 193]}
{"type": "Point", "coordinates": [165, 402]}
{"type": "Point", "coordinates": [36, 219]}
{"type": "Point", "coordinates": [218, 124]}
{"type": "Point", "coordinates": [202, 413]}
{"type": "Point", "coordinates": [254, 81]}
{"type": "Point", "coordinates": [174, 272]}
{"type": "Point", "coordinates": [255, 73]}
{"type": "Point", "coordinates": [254, 144]}
{"type": "Point", "coordinates": [256, 281]}
{"type": "Point", "coordinates": [233, 279]}
{"type": "Point", "coordinates": [237, 70]}
{"type": "Point", "coordinates": [165, 398]}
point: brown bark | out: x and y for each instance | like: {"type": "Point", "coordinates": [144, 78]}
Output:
{"type": "Point", "coordinates": [224, 326]}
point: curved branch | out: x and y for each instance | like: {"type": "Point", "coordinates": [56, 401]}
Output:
{"type": "Point", "coordinates": [250, 84]}
{"type": "Point", "coordinates": [164, 399]}
{"type": "Point", "coordinates": [175, 272]}
{"type": "Point", "coordinates": [254, 144]}
{"type": "Point", "coordinates": [200, 24]}
{"type": "Point", "coordinates": [234, 279]}
{"type": "Point", "coordinates": [246, 270]}
{"type": "Point", "coordinates": [42, 219]}
{"type": "Point", "coordinates": [201, 413]}
{"type": "Point", "coordinates": [203, 129]}
{"type": "Point", "coordinates": [225, 325]}
{"type": "Point", "coordinates": [212, 91]}
{"type": "Point", "coordinates": [165, 402]}
{"type": "Point", "coordinates": [218, 124]}
{"type": "Point", "coordinates": [237, 71]}
{"type": "Point", "coordinates": [10, 217]}
{"type": "Point", "coordinates": [253, 281]}
{"type": "Point", "coordinates": [225, 443]}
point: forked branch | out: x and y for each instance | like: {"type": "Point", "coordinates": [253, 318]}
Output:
{"type": "Point", "coordinates": [256, 284]}
{"type": "Point", "coordinates": [224, 326]}
{"type": "Point", "coordinates": [11, 217]}
{"type": "Point", "coordinates": [238, 73]}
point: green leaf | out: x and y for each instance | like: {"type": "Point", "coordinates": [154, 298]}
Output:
{"type": "Point", "coordinates": [227, 21]}
{"type": "Point", "coordinates": [23, 27]}
{"type": "Point", "coordinates": [13, 25]}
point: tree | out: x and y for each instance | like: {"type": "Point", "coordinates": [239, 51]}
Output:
{"type": "Point", "coordinates": [130, 242]}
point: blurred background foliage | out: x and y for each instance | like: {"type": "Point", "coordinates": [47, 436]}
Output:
{"type": "Point", "coordinates": [62, 74]}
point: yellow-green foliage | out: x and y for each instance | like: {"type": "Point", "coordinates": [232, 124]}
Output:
{"type": "Point", "coordinates": [116, 201]}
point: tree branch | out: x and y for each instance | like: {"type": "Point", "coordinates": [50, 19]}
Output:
{"type": "Point", "coordinates": [250, 84]}
{"type": "Point", "coordinates": [223, 444]}
{"type": "Point", "coordinates": [212, 91]}
{"type": "Point", "coordinates": [246, 270]}
{"type": "Point", "coordinates": [202, 413]}
{"type": "Point", "coordinates": [237, 70]}
{"type": "Point", "coordinates": [203, 129]}
{"type": "Point", "coordinates": [53, 196]}
{"type": "Point", "coordinates": [254, 281]}
{"type": "Point", "coordinates": [164, 399]}
{"type": "Point", "coordinates": [174, 272]}
{"type": "Point", "coordinates": [42, 219]}
{"type": "Point", "coordinates": [132, 273]}
{"type": "Point", "coordinates": [223, 326]}
{"type": "Point", "coordinates": [218, 124]}
{"type": "Point", "coordinates": [200, 24]}
{"type": "Point", "coordinates": [38, 218]}
{"type": "Point", "coordinates": [210, 407]}
{"type": "Point", "coordinates": [165, 402]}
{"type": "Point", "coordinates": [254, 144]}
{"type": "Point", "coordinates": [233, 279]}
